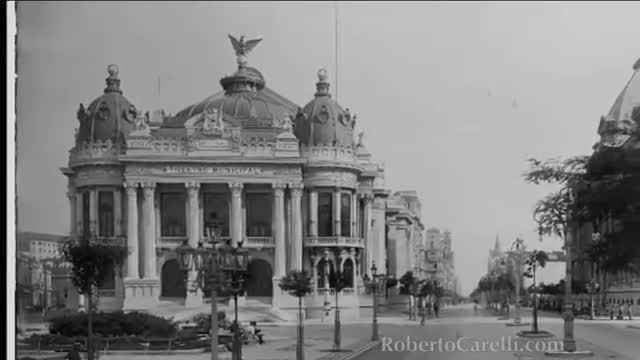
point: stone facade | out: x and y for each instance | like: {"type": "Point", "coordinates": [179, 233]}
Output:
{"type": "Point", "coordinates": [619, 133]}
{"type": "Point", "coordinates": [289, 183]}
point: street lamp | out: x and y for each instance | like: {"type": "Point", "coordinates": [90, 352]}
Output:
{"type": "Point", "coordinates": [212, 264]}
{"type": "Point", "coordinates": [518, 251]}
{"type": "Point", "coordinates": [374, 285]}
{"type": "Point", "coordinates": [592, 284]}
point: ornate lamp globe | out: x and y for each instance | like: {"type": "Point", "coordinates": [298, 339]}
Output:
{"type": "Point", "coordinates": [201, 255]}
{"type": "Point", "coordinates": [185, 256]}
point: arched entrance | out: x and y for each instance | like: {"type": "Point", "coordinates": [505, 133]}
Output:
{"type": "Point", "coordinates": [173, 280]}
{"type": "Point", "coordinates": [259, 278]}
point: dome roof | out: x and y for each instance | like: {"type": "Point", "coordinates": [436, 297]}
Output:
{"type": "Point", "coordinates": [323, 121]}
{"type": "Point", "coordinates": [629, 98]}
{"type": "Point", "coordinates": [110, 116]}
{"type": "Point", "coordinates": [245, 100]}
{"type": "Point", "coordinates": [622, 124]}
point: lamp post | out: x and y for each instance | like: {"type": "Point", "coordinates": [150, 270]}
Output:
{"type": "Point", "coordinates": [235, 266]}
{"type": "Point", "coordinates": [374, 285]}
{"type": "Point", "coordinates": [592, 284]}
{"type": "Point", "coordinates": [519, 249]}
{"type": "Point", "coordinates": [211, 263]}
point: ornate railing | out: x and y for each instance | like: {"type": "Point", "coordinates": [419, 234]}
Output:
{"type": "Point", "coordinates": [106, 292]}
{"type": "Point", "coordinates": [323, 291]}
{"type": "Point", "coordinates": [259, 242]}
{"type": "Point", "coordinates": [329, 241]}
{"type": "Point", "coordinates": [113, 240]}
{"type": "Point", "coordinates": [172, 241]}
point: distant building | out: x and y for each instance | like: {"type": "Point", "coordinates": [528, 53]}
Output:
{"type": "Point", "coordinates": [42, 278]}
{"type": "Point", "coordinates": [440, 259]}
{"type": "Point", "coordinates": [405, 234]}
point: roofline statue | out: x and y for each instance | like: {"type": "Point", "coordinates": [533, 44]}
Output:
{"type": "Point", "coordinates": [243, 48]}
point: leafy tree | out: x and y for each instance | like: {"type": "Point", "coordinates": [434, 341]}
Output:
{"type": "Point", "coordinates": [536, 258]}
{"type": "Point", "coordinates": [407, 282]}
{"type": "Point", "coordinates": [91, 261]}
{"type": "Point", "coordinates": [340, 281]}
{"type": "Point", "coordinates": [298, 283]}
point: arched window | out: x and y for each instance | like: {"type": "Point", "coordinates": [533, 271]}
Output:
{"type": "Point", "coordinates": [324, 275]}
{"type": "Point", "coordinates": [347, 271]}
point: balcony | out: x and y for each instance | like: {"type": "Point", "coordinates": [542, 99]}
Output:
{"type": "Point", "coordinates": [106, 292]}
{"type": "Point", "coordinates": [113, 240]}
{"type": "Point", "coordinates": [259, 242]}
{"type": "Point", "coordinates": [333, 241]}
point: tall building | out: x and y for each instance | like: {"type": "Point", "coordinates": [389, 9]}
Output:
{"type": "Point", "coordinates": [290, 183]}
{"type": "Point", "coordinates": [619, 133]}
{"type": "Point", "coordinates": [440, 258]}
{"type": "Point", "coordinates": [496, 259]}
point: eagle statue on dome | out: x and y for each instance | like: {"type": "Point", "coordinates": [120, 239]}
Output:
{"type": "Point", "coordinates": [243, 48]}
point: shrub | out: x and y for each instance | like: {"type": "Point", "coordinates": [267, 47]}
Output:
{"type": "Point", "coordinates": [114, 324]}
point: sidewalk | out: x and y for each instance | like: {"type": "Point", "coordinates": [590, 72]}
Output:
{"type": "Point", "coordinates": [283, 349]}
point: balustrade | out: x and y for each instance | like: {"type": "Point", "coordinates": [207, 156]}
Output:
{"type": "Point", "coordinates": [328, 241]}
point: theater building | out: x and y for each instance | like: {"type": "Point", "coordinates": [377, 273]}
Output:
{"type": "Point", "coordinates": [289, 183]}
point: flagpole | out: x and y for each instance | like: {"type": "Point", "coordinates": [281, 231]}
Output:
{"type": "Point", "coordinates": [335, 6]}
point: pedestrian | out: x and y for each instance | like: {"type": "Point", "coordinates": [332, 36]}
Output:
{"type": "Point", "coordinates": [436, 308]}
{"type": "Point", "coordinates": [422, 308]}
{"type": "Point", "coordinates": [621, 312]}
{"type": "Point", "coordinates": [631, 305]}
{"type": "Point", "coordinates": [611, 311]}
{"type": "Point", "coordinates": [74, 353]}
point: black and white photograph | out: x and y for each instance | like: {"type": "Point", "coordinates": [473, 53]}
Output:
{"type": "Point", "coordinates": [323, 180]}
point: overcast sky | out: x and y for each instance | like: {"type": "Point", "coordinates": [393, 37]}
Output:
{"type": "Point", "coordinates": [453, 97]}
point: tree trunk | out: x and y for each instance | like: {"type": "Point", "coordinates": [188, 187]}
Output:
{"type": "Point", "coordinates": [90, 327]}
{"type": "Point", "coordinates": [337, 335]}
{"type": "Point", "coordinates": [300, 347]}
{"type": "Point", "coordinates": [535, 303]}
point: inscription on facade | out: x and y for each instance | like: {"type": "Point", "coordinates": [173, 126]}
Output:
{"type": "Point", "coordinates": [212, 170]}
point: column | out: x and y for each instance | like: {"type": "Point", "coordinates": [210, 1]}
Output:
{"type": "Point", "coordinates": [72, 212]}
{"type": "Point", "coordinates": [313, 212]}
{"type": "Point", "coordinates": [296, 221]}
{"type": "Point", "coordinates": [93, 212]}
{"type": "Point", "coordinates": [236, 212]}
{"type": "Point", "coordinates": [280, 253]}
{"type": "Point", "coordinates": [79, 214]}
{"type": "Point", "coordinates": [193, 299]}
{"type": "Point", "coordinates": [367, 254]}
{"type": "Point", "coordinates": [149, 231]}
{"type": "Point", "coordinates": [117, 212]}
{"type": "Point", "coordinates": [336, 212]}
{"type": "Point", "coordinates": [132, 230]}
{"type": "Point", "coordinates": [354, 217]}
{"type": "Point", "coordinates": [193, 231]}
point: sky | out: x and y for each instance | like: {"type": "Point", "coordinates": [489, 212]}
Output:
{"type": "Point", "coordinates": [452, 97]}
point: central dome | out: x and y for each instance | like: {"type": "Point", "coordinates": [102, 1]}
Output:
{"type": "Point", "coordinates": [244, 101]}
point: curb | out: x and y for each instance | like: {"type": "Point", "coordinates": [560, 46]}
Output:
{"type": "Point", "coordinates": [637, 327]}
{"type": "Point", "coordinates": [539, 335]}
{"type": "Point", "coordinates": [352, 355]}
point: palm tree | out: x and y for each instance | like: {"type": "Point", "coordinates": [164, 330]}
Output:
{"type": "Point", "coordinates": [537, 258]}
{"type": "Point", "coordinates": [298, 283]}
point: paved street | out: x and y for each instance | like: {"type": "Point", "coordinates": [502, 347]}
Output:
{"type": "Point", "coordinates": [461, 330]}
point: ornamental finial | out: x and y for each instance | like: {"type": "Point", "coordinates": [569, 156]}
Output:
{"type": "Point", "coordinates": [323, 75]}
{"type": "Point", "coordinates": [243, 48]}
{"type": "Point", "coordinates": [113, 82]}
